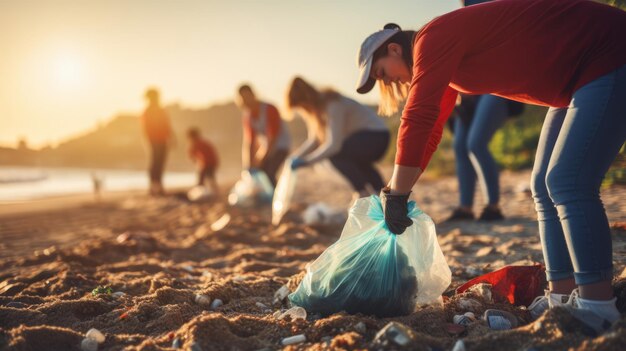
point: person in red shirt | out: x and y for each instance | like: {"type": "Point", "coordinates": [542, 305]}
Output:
{"type": "Point", "coordinates": [203, 153]}
{"type": "Point", "coordinates": [266, 140]}
{"type": "Point", "coordinates": [569, 55]}
{"type": "Point", "coordinates": [157, 129]}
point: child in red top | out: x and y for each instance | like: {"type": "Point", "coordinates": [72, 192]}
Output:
{"type": "Point", "coordinates": [203, 153]}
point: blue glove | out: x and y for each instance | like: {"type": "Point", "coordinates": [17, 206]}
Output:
{"type": "Point", "coordinates": [253, 170]}
{"type": "Point", "coordinates": [297, 162]}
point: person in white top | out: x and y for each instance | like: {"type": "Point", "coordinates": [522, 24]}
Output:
{"type": "Point", "coordinates": [349, 134]}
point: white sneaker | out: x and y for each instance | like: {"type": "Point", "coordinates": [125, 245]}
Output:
{"type": "Point", "coordinates": [598, 315]}
{"type": "Point", "coordinates": [543, 303]}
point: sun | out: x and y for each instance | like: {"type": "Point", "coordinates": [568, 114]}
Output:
{"type": "Point", "coordinates": [68, 71]}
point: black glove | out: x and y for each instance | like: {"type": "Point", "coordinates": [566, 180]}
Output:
{"type": "Point", "coordinates": [396, 211]}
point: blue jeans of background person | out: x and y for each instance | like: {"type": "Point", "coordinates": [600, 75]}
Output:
{"type": "Point", "coordinates": [471, 148]}
{"type": "Point", "coordinates": [355, 160]}
{"type": "Point", "coordinates": [576, 148]}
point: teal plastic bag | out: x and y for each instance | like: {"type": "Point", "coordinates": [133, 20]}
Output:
{"type": "Point", "coordinates": [253, 188]}
{"type": "Point", "coordinates": [372, 271]}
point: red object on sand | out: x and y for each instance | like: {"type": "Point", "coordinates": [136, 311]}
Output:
{"type": "Point", "coordinates": [517, 284]}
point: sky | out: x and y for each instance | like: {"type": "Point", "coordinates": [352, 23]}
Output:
{"type": "Point", "coordinates": [65, 66]}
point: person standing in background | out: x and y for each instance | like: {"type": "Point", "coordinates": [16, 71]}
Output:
{"type": "Point", "coordinates": [158, 131]}
{"type": "Point", "coordinates": [266, 140]}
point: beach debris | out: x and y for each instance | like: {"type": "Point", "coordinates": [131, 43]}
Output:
{"type": "Point", "coordinates": [469, 304]}
{"type": "Point", "coordinates": [177, 343]}
{"type": "Point", "coordinates": [462, 319]}
{"type": "Point", "coordinates": [261, 305]}
{"type": "Point", "coordinates": [296, 339]}
{"type": "Point", "coordinates": [188, 268]}
{"type": "Point", "coordinates": [321, 213]}
{"type": "Point", "coordinates": [294, 313]}
{"type": "Point", "coordinates": [122, 238]}
{"type": "Point", "coordinates": [281, 294]}
{"type": "Point", "coordinates": [208, 275]}
{"type": "Point", "coordinates": [327, 339]}
{"type": "Point", "coordinates": [395, 332]}
{"type": "Point", "coordinates": [89, 344]}
{"type": "Point", "coordinates": [118, 294]}
{"type": "Point", "coordinates": [482, 290]}
{"type": "Point", "coordinates": [454, 329]}
{"type": "Point", "coordinates": [500, 320]}
{"type": "Point", "coordinates": [459, 345]}
{"type": "Point", "coordinates": [107, 290]}
{"type": "Point", "coordinates": [360, 327]}
{"type": "Point", "coordinates": [202, 300]}
{"type": "Point", "coordinates": [277, 314]}
{"type": "Point", "coordinates": [199, 193]}
{"type": "Point", "coordinates": [220, 223]}
{"type": "Point", "coordinates": [239, 278]}
{"type": "Point", "coordinates": [15, 304]}
{"type": "Point", "coordinates": [123, 315]}
{"type": "Point", "coordinates": [470, 315]}
{"type": "Point", "coordinates": [95, 334]}
{"type": "Point", "coordinates": [195, 347]}
{"type": "Point", "coordinates": [216, 303]}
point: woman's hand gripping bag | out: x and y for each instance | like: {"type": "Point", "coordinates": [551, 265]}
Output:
{"type": "Point", "coordinates": [372, 271]}
{"type": "Point", "coordinates": [254, 187]}
{"type": "Point", "coordinates": [284, 193]}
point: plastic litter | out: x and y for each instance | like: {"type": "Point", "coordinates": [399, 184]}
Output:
{"type": "Point", "coordinates": [89, 344]}
{"type": "Point", "coordinates": [296, 339]}
{"type": "Point", "coordinates": [252, 188]}
{"type": "Point", "coordinates": [518, 285]}
{"type": "Point", "coordinates": [216, 303]}
{"type": "Point", "coordinates": [395, 332]}
{"type": "Point", "coordinates": [202, 300]}
{"type": "Point", "coordinates": [199, 193]}
{"type": "Point", "coordinates": [294, 313]}
{"type": "Point", "coordinates": [281, 294]}
{"type": "Point", "coordinates": [459, 345]}
{"type": "Point", "coordinates": [321, 213]}
{"type": "Point", "coordinates": [176, 344]}
{"type": "Point", "coordinates": [284, 193]}
{"type": "Point", "coordinates": [373, 271]}
{"type": "Point", "coordinates": [500, 320]}
{"type": "Point", "coordinates": [462, 319]}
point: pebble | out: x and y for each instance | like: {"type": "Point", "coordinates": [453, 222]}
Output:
{"type": "Point", "coordinates": [396, 332]}
{"type": "Point", "coordinates": [459, 345]}
{"type": "Point", "coordinates": [239, 278]}
{"type": "Point", "coordinates": [216, 303]}
{"type": "Point", "coordinates": [261, 305]}
{"type": "Point", "coordinates": [95, 334]}
{"type": "Point", "coordinates": [188, 268]}
{"type": "Point", "coordinates": [89, 344]}
{"type": "Point", "coordinates": [296, 339]}
{"type": "Point", "coordinates": [470, 315]}
{"type": "Point", "coordinates": [202, 300]}
{"type": "Point", "coordinates": [294, 313]}
{"type": "Point", "coordinates": [281, 294]}
{"type": "Point", "coordinates": [360, 327]}
{"type": "Point", "coordinates": [176, 344]}
{"type": "Point", "coordinates": [118, 294]}
{"type": "Point", "coordinates": [15, 304]}
{"type": "Point", "coordinates": [195, 347]}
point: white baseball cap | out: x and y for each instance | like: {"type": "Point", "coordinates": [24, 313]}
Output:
{"type": "Point", "coordinates": [366, 56]}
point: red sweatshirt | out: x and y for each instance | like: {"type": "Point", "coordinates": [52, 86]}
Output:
{"type": "Point", "coordinates": [204, 153]}
{"type": "Point", "coordinates": [534, 51]}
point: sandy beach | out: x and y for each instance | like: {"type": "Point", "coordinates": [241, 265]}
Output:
{"type": "Point", "coordinates": [159, 254]}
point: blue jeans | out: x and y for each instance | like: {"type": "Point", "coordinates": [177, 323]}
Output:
{"type": "Point", "coordinates": [576, 148]}
{"type": "Point", "coordinates": [471, 148]}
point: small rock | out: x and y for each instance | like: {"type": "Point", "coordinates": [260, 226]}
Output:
{"type": "Point", "coordinates": [459, 345]}
{"type": "Point", "coordinates": [216, 303]}
{"type": "Point", "coordinates": [360, 327]}
{"type": "Point", "coordinates": [89, 344]}
{"type": "Point", "coordinates": [485, 251]}
{"type": "Point", "coordinates": [95, 334]}
{"type": "Point", "coordinates": [281, 294]}
{"type": "Point", "coordinates": [202, 300]}
{"type": "Point", "coordinates": [188, 268]}
{"type": "Point", "coordinates": [395, 332]}
{"type": "Point", "coordinates": [454, 329]}
{"type": "Point", "coordinates": [294, 313]}
{"type": "Point", "coordinates": [123, 237]}
{"type": "Point", "coordinates": [296, 339]}
{"type": "Point", "coordinates": [462, 319]}
{"type": "Point", "coordinates": [208, 275]}
{"type": "Point", "coordinates": [277, 314]}
{"type": "Point", "coordinates": [470, 315]}
{"type": "Point", "coordinates": [15, 304]}
{"type": "Point", "coordinates": [118, 294]}
{"type": "Point", "coordinates": [239, 278]}
{"type": "Point", "coordinates": [469, 304]}
{"type": "Point", "coordinates": [261, 305]}
{"type": "Point", "coordinates": [176, 344]}
{"type": "Point", "coordinates": [195, 347]}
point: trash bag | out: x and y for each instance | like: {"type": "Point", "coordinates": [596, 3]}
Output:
{"type": "Point", "coordinates": [372, 271]}
{"type": "Point", "coordinates": [284, 193]}
{"type": "Point", "coordinates": [253, 187]}
{"type": "Point", "coordinates": [519, 285]}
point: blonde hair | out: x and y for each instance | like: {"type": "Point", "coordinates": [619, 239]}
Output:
{"type": "Point", "coordinates": [303, 95]}
{"type": "Point", "coordinates": [392, 97]}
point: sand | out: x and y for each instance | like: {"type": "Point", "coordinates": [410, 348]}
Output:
{"type": "Point", "coordinates": [162, 252]}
